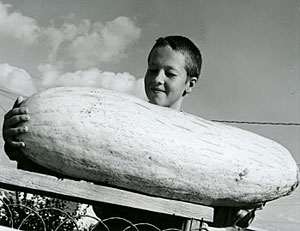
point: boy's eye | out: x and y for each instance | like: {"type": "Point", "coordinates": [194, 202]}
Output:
{"type": "Point", "coordinates": [170, 74]}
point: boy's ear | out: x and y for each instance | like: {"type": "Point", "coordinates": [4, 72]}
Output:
{"type": "Point", "coordinates": [191, 83]}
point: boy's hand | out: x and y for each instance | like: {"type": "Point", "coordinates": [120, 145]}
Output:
{"type": "Point", "coordinates": [11, 128]}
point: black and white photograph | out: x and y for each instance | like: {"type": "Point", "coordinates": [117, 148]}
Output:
{"type": "Point", "coordinates": [150, 115]}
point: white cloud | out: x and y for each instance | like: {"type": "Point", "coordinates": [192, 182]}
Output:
{"type": "Point", "coordinates": [82, 45]}
{"type": "Point", "coordinates": [123, 82]}
{"type": "Point", "coordinates": [55, 37]}
{"type": "Point", "coordinates": [16, 25]}
{"type": "Point", "coordinates": [20, 82]}
{"type": "Point", "coordinates": [17, 80]}
{"type": "Point", "coordinates": [90, 44]}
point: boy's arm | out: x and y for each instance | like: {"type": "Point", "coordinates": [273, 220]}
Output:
{"type": "Point", "coordinates": [234, 216]}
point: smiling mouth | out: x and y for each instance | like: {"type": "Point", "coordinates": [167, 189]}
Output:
{"type": "Point", "coordinates": [157, 90]}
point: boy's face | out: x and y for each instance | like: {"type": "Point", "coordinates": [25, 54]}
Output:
{"type": "Point", "coordinates": [166, 77]}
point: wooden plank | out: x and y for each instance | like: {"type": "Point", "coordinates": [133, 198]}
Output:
{"type": "Point", "coordinates": [192, 224]}
{"type": "Point", "coordinates": [91, 193]}
{"type": "Point", "coordinates": [3, 228]}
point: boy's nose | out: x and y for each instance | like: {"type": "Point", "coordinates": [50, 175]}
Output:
{"type": "Point", "coordinates": [160, 78]}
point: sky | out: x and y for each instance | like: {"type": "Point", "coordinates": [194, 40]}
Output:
{"type": "Point", "coordinates": [250, 48]}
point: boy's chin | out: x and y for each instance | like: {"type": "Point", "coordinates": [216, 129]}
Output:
{"type": "Point", "coordinates": [158, 102]}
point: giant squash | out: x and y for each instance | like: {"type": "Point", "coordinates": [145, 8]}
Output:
{"type": "Point", "coordinates": [113, 138]}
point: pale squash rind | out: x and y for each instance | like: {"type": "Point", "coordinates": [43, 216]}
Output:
{"type": "Point", "coordinates": [114, 138]}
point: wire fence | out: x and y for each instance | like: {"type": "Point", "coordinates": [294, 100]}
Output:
{"type": "Point", "coordinates": [22, 217]}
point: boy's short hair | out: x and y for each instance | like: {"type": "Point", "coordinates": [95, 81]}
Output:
{"type": "Point", "coordinates": [193, 58]}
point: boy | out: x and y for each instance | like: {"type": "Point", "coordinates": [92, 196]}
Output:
{"type": "Point", "coordinates": [174, 66]}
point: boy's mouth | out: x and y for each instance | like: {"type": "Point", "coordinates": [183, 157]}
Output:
{"type": "Point", "coordinates": [155, 89]}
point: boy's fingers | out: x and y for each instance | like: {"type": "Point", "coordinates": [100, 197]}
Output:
{"type": "Point", "coordinates": [16, 111]}
{"type": "Point", "coordinates": [7, 133]}
{"type": "Point", "coordinates": [19, 100]}
{"type": "Point", "coordinates": [14, 120]}
{"type": "Point", "coordinates": [17, 144]}
{"type": "Point", "coordinates": [14, 144]}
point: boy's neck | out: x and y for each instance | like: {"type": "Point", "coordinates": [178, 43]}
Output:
{"type": "Point", "coordinates": [177, 105]}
